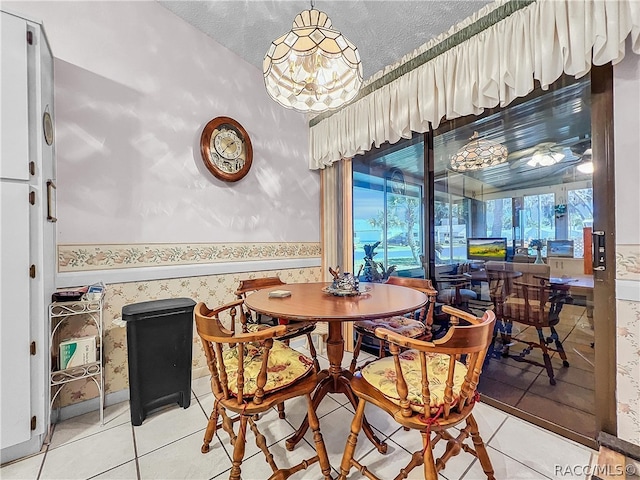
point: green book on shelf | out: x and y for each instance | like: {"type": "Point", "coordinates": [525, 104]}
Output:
{"type": "Point", "coordinates": [77, 351]}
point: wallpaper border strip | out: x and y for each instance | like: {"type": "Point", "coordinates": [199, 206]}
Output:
{"type": "Point", "coordinates": [447, 44]}
{"type": "Point", "coordinates": [145, 274]}
{"type": "Point", "coordinates": [77, 258]}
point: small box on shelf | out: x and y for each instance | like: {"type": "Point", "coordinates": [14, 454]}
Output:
{"type": "Point", "coordinates": [77, 351]}
{"type": "Point", "coordinates": [68, 295]}
{"type": "Point", "coordinates": [95, 292]}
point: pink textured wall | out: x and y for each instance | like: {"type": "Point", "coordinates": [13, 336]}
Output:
{"type": "Point", "coordinates": [626, 110]}
{"type": "Point", "coordinates": [134, 86]}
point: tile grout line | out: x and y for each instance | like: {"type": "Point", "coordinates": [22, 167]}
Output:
{"type": "Point", "coordinates": [135, 452]}
{"type": "Point", "coordinates": [169, 443]}
{"type": "Point", "coordinates": [571, 407]}
{"type": "Point", "coordinates": [539, 374]}
{"type": "Point", "coordinates": [216, 436]}
{"type": "Point", "coordinates": [173, 441]}
{"type": "Point", "coordinates": [519, 462]}
{"type": "Point", "coordinates": [486, 445]}
{"type": "Point", "coordinates": [110, 469]}
{"type": "Point", "coordinates": [103, 428]}
{"type": "Point", "coordinates": [44, 457]}
{"type": "Point", "coordinates": [528, 390]}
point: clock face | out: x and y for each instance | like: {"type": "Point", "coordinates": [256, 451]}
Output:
{"type": "Point", "coordinates": [396, 179]}
{"type": "Point", "coordinates": [226, 149]}
{"type": "Point", "coordinates": [227, 144]}
{"type": "Point", "coordinates": [47, 127]}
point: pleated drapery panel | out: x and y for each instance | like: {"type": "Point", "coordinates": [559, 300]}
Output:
{"type": "Point", "coordinates": [540, 41]}
{"type": "Point", "coordinates": [331, 218]}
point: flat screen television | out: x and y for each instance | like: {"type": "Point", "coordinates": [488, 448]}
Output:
{"type": "Point", "coordinates": [487, 249]}
{"type": "Point", "coordinates": [560, 248]}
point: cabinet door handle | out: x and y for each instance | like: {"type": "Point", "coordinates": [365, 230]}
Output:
{"type": "Point", "coordinates": [51, 191]}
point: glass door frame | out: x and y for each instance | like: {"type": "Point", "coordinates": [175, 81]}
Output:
{"type": "Point", "coordinates": [604, 220]}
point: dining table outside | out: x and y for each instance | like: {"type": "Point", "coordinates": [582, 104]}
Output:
{"type": "Point", "coordinates": [312, 302]}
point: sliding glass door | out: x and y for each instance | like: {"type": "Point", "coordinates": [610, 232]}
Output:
{"type": "Point", "coordinates": [540, 202]}
{"type": "Point", "coordinates": [535, 214]}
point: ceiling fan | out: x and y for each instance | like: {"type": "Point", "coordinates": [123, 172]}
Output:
{"type": "Point", "coordinates": [546, 154]}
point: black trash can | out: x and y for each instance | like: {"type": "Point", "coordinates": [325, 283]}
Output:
{"type": "Point", "coordinates": [159, 344]}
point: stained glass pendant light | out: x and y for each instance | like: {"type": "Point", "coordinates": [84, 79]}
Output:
{"type": "Point", "coordinates": [313, 67]}
{"type": "Point", "coordinates": [478, 153]}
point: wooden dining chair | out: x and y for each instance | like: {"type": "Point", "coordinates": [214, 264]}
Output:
{"type": "Point", "coordinates": [536, 305]}
{"type": "Point", "coordinates": [524, 296]}
{"type": "Point", "coordinates": [430, 388]}
{"type": "Point", "coordinates": [454, 288]}
{"type": "Point", "coordinates": [409, 327]}
{"type": "Point", "coordinates": [251, 373]}
{"type": "Point", "coordinates": [294, 329]}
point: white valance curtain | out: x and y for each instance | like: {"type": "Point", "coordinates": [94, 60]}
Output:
{"type": "Point", "coordinates": [540, 41]}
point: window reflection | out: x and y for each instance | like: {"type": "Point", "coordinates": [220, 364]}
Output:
{"type": "Point", "coordinates": [388, 206]}
{"type": "Point", "coordinates": [541, 359]}
{"type": "Point", "coordinates": [521, 200]}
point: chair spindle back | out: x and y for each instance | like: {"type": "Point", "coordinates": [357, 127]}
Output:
{"type": "Point", "coordinates": [465, 344]}
{"type": "Point", "coordinates": [216, 340]}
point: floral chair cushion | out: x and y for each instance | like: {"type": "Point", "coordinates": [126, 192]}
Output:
{"type": "Point", "coordinates": [381, 374]}
{"type": "Point", "coordinates": [400, 325]}
{"type": "Point", "coordinates": [285, 366]}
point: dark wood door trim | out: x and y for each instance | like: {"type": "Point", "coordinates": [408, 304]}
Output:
{"type": "Point", "coordinates": [604, 295]}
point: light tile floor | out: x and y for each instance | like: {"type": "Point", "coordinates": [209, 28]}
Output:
{"type": "Point", "coordinates": [167, 445]}
{"type": "Point", "coordinates": [569, 403]}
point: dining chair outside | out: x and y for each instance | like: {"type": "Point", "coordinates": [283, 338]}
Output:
{"type": "Point", "coordinates": [454, 288]}
{"type": "Point", "coordinates": [430, 388]}
{"type": "Point", "coordinates": [536, 305]}
{"type": "Point", "coordinates": [402, 325]}
{"type": "Point", "coordinates": [250, 374]}
{"type": "Point", "coordinates": [528, 299]}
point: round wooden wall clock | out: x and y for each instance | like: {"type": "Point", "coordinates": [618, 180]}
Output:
{"type": "Point", "coordinates": [47, 126]}
{"type": "Point", "coordinates": [226, 149]}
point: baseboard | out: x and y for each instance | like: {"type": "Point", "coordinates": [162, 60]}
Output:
{"type": "Point", "coordinates": [87, 406]}
{"type": "Point", "coordinates": [93, 404]}
{"type": "Point", "coordinates": [25, 449]}
{"type": "Point", "coordinates": [616, 444]}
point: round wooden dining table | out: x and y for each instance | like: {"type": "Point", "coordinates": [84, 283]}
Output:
{"type": "Point", "coordinates": [308, 302]}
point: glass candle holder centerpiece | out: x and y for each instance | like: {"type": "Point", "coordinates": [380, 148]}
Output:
{"type": "Point", "coordinates": [346, 281]}
{"type": "Point", "coordinates": [343, 283]}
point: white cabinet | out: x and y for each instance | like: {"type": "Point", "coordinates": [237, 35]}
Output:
{"type": "Point", "coordinates": [14, 323]}
{"type": "Point", "coordinates": [568, 267]}
{"type": "Point", "coordinates": [27, 245]}
{"type": "Point", "coordinates": [14, 141]}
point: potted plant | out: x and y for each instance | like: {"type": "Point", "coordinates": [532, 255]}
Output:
{"type": "Point", "coordinates": [374, 271]}
{"type": "Point", "coordinates": [560, 210]}
{"type": "Point", "coordinates": [537, 246]}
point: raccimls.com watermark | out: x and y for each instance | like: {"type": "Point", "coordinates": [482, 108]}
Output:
{"type": "Point", "coordinates": [598, 470]}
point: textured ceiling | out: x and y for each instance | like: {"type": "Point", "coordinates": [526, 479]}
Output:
{"type": "Point", "coordinates": [383, 30]}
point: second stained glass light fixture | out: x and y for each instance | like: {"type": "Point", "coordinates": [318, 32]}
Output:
{"type": "Point", "coordinates": [478, 153]}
